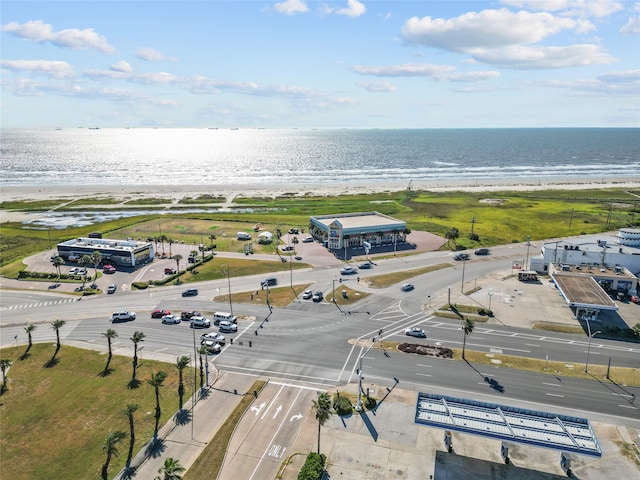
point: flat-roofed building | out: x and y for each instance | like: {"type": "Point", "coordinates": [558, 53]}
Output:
{"type": "Point", "coordinates": [124, 253]}
{"type": "Point", "coordinates": [361, 229]}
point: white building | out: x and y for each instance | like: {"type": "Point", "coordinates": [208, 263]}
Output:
{"type": "Point", "coordinates": [604, 251]}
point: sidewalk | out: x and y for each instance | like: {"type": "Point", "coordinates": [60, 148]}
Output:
{"type": "Point", "coordinates": [185, 438]}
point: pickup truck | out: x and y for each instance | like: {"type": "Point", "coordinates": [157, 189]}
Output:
{"type": "Point", "coordinates": [200, 322]}
{"type": "Point", "coordinates": [123, 316]}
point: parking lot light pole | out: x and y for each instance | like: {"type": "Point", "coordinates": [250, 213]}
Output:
{"type": "Point", "coordinates": [359, 402]}
{"type": "Point", "coordinates": [229, 288]}
{"type": "Point", "coordinates": [464, 262]}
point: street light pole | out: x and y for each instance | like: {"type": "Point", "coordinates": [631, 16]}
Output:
{"type": "Point", "coordinates": [526, 263]}
{"type": "Point", "coordinates": [229, 287]}
{"type": "Point", "coordinates": [490, 295]}
{"type": "Point", "coordinates": [359, 402]}
{"type": "Point", "coordinates": [586, 365]}
{"type": "Point", "coordinates": [464, 262]}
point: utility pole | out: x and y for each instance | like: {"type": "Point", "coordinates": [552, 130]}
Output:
{"type": "Point", "coordinates": [464, 262]}
{"type": "Point", "coordinates": [229, 287]}
{"type": "Point", "coordinates": [359, 402]}
{"type": "Point", "coordinates": [526, 263]}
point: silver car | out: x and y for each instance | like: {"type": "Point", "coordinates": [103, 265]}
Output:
{"type": "Point", "coordinates": [415, 332]}
{"type": "Point", "coordinates": [173, 319]}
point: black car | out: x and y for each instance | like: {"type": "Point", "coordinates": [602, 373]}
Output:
{"type": "Point", "coordinates": [317, 297]}
{"type": "Point", "coordinates": [364, 266]}
{"type": "Point", "coordinates": [482, 251]}
{"type": "Point", "coordinates": [461, 256]}
{"type": "Point", "coordinates": [190, 292]}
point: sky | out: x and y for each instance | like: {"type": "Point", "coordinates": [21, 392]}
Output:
{"type": "Point", "coordinates": [329, 64]}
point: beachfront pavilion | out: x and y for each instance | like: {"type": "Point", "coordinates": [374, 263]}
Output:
{"type": "Point", "coordinates": [364, 230]}
{"type": "Point", "coordinates": [122, 253]}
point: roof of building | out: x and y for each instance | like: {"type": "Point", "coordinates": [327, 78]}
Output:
{"type": "Point", "coordinates": [360, 220]}
{"type": "Point", "coordinates": [583, 291]}
{"type": "Point", "coordinates": [103, 244]}
{"type": "Point", "coordinates": [541, 429]}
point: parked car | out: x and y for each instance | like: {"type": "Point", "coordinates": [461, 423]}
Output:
{"type": "Point", "coordinates": [160, 313]}
{"type": "Point", "coordinates": [190, 292]}
{"type": "Point", "coordinates": [212, 347]}
{"type": "Point", "coordinates": [172, 319]}
{"type": "Point", "coordinates": [169, 271]}
{"type": "Point", "coordinates": [287, 248]}
{"type": "Point", "coordinates": [111, 288]}
{"type": "Point", "coordinates": [200, 322]}
{"type": "Point", "coordinates": [364, 266]}
{"type": "Point", "coordinates": [212, 337]}
{"type": "Point", "coordinates": [317, 296]}
{"type": "Point", "coordinates": [415, 332]}
{"type": "Point", "coordinates": [461, 256]}
{"type": "Point", "coordinates": [123, 316]}
{"type": "Point", "coordinates": [307, 294]}
{"type": "Point", "coordinates": [348, 271]}
{"type": "Point", "coordinates": [82, 271]}
{"type": "Point", "coordinates": [192, 259]}
{"type": "Point", "coordinates": [226, 326]}
{"type": "Point", "coordinates": [108, 269]}
{"type": "Point", "coordinates": [407, 287]}
{"type": "Point", "coordinates": [73, 270]}
{"type": "Point", "coordinates": [635, 299]}
{"type": "Point", "coordinates": [307, 240]}
{"type": "Point", "coordinates": [482, 251]}
{"type": "Point", "coordinates": [188, 315]}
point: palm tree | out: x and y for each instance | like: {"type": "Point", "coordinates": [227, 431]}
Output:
{"type": "Point", "coordinates": [170, 241]}
{"type": "Point", "coordinates": [110, 447]}
{"type": "Point", "coordinates": [323, 412]}
{"type": "Point", "coordinates": [181, 363]}
{"type": "Point", "coordinates": [212, 237]}
{"type": "Point", "coordinates": [109, 334]}
{"type": "Point", "coordinates": [84, 262]}
{"type": "Point", "coordinates": [156, 381]}
{"type": "Point", "coordinates": [136, 338]}
{"type": "Point", "coordinates": [177, 258]}
{"type": "Point", "coordinates": [162, 239]}
{"type": "Point", "coordinates": [96, 258]}
{"type": "Point", "coordinates": [129, 411]}
{"type": "Point", "coordinates": [202, 351]}
{"type": "Point", "coordinates": [30, 328]}
{"type": "Point", "coordinates": [58, 262]}
{"type": "Point", "coordinates": [171, 470]}
{"type": "Point", "coordinates": [467, 328]}
{"type": "Point", "coordinates": [5, 363]}
{"type": "Point", "coordinates": [452, 234]}
{"type": "Point", "coordinates": [57, 325]}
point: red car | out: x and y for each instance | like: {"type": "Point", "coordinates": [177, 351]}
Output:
{"type": "Point", "coordinates": [635, 299]}
{"type": "Point", "coordinates": [169, 271]}
{"type": "Point", "coordinates": [108, 269]}
{"type": "Point", "coordinates": [160, 313]}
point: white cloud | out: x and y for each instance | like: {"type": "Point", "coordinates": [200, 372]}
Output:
{"type": "Point", "coordinates": [382, 86]}
{"type": "Point", "coordinates": [632, 27]}
{"type": "Point", "coordinates": [354, 9]}
{"type": "Point", "coordinates": [577, 8]}
{"type": "Point", "coordinates": [291, 6]}
{"type": "Point", "coordinates": [121, 66]}
{"type": "Point", "coordinates": [467, 77]}
{"type": "Point", "coordinates": [530, 58]}
{"type": "Point", "coordinates": [153, 78]}
{"type": "Point", "coordinates": [152, 55]}
{"type": "Point", "coordinates": [404, 70]}
{"type": "Point", "coordinates": [76, 39]}
{"type": "Point", "coordinates": [627, 76]}
{"type": "Point", "coordinates": [49, 68]}
{"type": "Point", "coordinates": [486, 29]}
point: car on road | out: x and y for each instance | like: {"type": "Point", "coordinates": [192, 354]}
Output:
{"type": "Point", "coordinates": [123, 316]}
{"type": "Point", "coordinates": [188, 315]}
{"type": "Point", "coordinates": [212, 337]}
{"type": "Point", "coordinates": [461, 256]}
{"type": "Point", "coordinates": [212, 347]}
{"type": "Point", "coordinates": [415, 332]}
{"type": "Point", "coordinates": [269, 282]}
{"type": "Point", "coordinates": [364, 266]}
{"type": "Point", "coordinates": [169, 271]}
{"type": "Point", "coordinates": [348, 271]}
{"type": "Point", "coordinates": [307, 240]}
{"type": "Point", "coordinates": [111, 288]}
{"type": "Point", "coordinates": [190, 292]}
{"type": "Point", "coordinates": [227, 326]}
{"type": "Point", "coordinates": [172, 319]}
{"type": "Point", "coordinates": [200, 322]}
{"type": "Point", "coordinates": [407, 287]}
{"type": "Point", "coordinates": [317, 296]}
{"type": "Point", "coordinates": [160, 313]}
{"type": "Point", "coordinates": [635, 299]}
{"type": "Point", "coordinates": [108, 269]}
{"type": "Point", "coordinates": [307, 294]}
{"type": "Point", "coordinates": [287, 248]}
{"type": "Point", "coordinates": [482, 251]}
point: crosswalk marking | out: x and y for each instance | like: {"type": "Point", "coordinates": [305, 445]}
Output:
{"type": "Point", "coordinates": [40, 304]}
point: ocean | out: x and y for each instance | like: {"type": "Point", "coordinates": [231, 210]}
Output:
{"type": "Point", "coordinates": [210, 156]}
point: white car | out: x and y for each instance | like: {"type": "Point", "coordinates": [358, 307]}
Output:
{"type": "Point", "coordinates": [226, 326]}
{"type": "Point", "coordinates": [173, 319]}
{"type": "Point", "coordinates": [73, 270]}
{"type": "Point", "coordinates": [200, 322]}
{"type": "Point", "coordinates": [415, 332]}
{"type": "Point", "coordinates": [212, 347]}
{"type": "Point", "coordinates": [307, 240]}
{"type": "Point", "coordinates": [212, 337]}
{"type": "Point", "coordinates": [348, 271]}
{"type": "Point", "coordinates": [307, 294]}
{"type": "Point", "coordinates": [123, 315]}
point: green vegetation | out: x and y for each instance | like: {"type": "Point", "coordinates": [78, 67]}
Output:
{"type": "Point", "coordinates": [388, 279]}
{"type": "Point", "coordinates": [70, 404]}
{"type": "Point", "coordinates": [313, 467]}
{"type": "Point", "coordinates": [209, 463]}
{"type": "Point", "coordinates": [202, 199]}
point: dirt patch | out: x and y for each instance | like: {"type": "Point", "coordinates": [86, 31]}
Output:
{"type": "Point", "coordinates": [428, 350]}
{"type": "Point", "coordinates": [492, 201]}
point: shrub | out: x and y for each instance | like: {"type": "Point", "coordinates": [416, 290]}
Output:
{"type": "Point", "coordinates": [474, 236]}
{"type": "Point", "coordinates": [342, 405]}
{"type": "Point", "coordinates": [313, 467]}
{"type": "Point", "coordinates": [139, 285]}
{"type": "Point", "coordinates": [370, 403]}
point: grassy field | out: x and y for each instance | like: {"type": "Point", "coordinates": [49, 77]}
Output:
{"type": "Point", "coordinates": [498, 217]}
{"type": "Point", "coordinates": [55, 417]}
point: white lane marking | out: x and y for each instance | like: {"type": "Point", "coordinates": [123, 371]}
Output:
{"type": "Point", "coordinates": [554, 395]}
{"type": "Point", "coordinates": [552, 384]}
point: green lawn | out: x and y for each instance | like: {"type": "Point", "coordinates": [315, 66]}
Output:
{"type": "Point", "coordinates": [55, 417]}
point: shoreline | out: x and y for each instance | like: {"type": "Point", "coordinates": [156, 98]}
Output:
{"type": "Point", "coordinates": [177, 192]}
